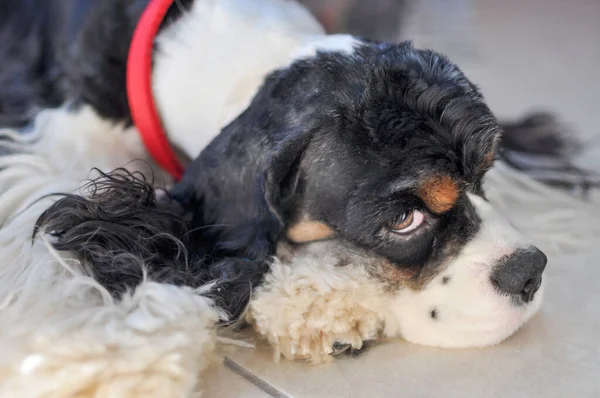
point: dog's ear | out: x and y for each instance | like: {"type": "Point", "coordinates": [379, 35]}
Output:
{"type": "Point", "coordinates": [122, 228]}
{"type": "Point", "coordinates": [281, 192]}
{"type": "Point", "coordinates": [283, 173]}
{"type": "Point", "coordinates": [125, 231]}
{"type": "Point", "coordinates": [243, 199]}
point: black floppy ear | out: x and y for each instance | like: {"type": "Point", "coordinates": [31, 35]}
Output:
{"type": "Point", "coordinates": [125, 230]}
{"type": "Point", "coordinates": [278, 191]}
{"type": "Point", "coordinates": [283, 173]}
{"type": "Point", "coordinates": [282, 196]}
{"type": "Point", "coordinates": [245, 182]}
{"type": "Point", "coordinates": [241, 193]}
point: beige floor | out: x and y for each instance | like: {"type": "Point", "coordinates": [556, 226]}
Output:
{"type": "Point", "coordinates": [527, 54]}
{"type": "Point", "coordinates": [555, 355]}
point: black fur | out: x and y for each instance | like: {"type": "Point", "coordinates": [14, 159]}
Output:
{"type": "Point", "coordinates": [53, 51]}
{"type": "Point", "coordinates": [29, 52]}
{"type": "Point", "coordinates": [125, 233]}
{"type": "Point", "coordinates": [541, 134]}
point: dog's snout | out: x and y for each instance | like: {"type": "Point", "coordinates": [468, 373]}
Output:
{"type": "Point", "coordinates": [520, 274]}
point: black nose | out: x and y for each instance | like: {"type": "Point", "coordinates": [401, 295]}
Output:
{"type": "Point", "coordinates": [520, 274]}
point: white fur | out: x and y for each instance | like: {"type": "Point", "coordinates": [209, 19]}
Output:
{"type": "Point", "coordinates": [306, 304]}
{"type": "Point", "coordinates": [210, 64]}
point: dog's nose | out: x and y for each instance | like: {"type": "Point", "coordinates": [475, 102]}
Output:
{"type": "Point", "coordinates": [520, 274]}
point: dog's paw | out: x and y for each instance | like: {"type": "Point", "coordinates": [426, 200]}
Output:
{"type": "Point", "coordinates": [311, 313]}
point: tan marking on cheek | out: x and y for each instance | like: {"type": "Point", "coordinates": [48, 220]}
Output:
{"type": "Point", "coordinates": [395, 276]}
{"type": "Point", "coordinates": [309, 231]}
{"type": "Point", "coordinates": [439, 193]}
{"type": "Point", "coordinates": [392, 276]}
{"type": "Point", "coordinates": [407, 278]}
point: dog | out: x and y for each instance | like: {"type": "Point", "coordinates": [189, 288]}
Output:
{"type": "Point", "coordinates": [335, 194]}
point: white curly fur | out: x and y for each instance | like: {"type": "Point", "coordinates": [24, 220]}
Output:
{"type": "Point", "coordinates": [307, 303]}
{"type": "Point", "coordinates": [306, 306]}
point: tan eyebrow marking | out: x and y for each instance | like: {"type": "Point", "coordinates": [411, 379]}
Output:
{"type": "Point", "coordinates": [439, 193]}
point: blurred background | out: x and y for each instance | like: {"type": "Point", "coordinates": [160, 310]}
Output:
{"type": "Point", "coordinates": [525, 55]}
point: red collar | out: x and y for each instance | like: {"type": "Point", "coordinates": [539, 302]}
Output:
{"type": "Point", "coordinates": [139, 88]}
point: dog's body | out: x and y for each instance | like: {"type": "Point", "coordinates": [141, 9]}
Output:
{"type": "Point", "coordinates": [363, 162]}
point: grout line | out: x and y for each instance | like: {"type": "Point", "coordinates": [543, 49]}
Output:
{"type": "Point", "coordinates": [252, 378]}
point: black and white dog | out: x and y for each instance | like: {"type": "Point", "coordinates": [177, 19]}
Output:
{"type": "Point", "coordinates": [335, 194]}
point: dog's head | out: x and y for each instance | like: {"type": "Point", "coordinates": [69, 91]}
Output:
{"type": "Point", "coordinates": [384, 149]}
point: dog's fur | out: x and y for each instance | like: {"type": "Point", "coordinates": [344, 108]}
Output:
{"type": "Point", "coordinates": [327, 144]}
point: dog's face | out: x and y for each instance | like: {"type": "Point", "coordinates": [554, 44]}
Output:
{"type": "Point", "coordinates": [396, 169]}
{"type": "Point", "coordinates": [480, 294]}
{"type": "Point", "coordinates": [385, 149]}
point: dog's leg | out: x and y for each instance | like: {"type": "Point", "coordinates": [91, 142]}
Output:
{"type": "Point", "coordinates": [312, 305]}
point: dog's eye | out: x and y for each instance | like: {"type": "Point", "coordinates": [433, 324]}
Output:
{"type": "Point", "coordinates": [408, 222]}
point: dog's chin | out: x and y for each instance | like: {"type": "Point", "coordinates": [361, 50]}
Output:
{"type": "Point", "coordinates": [450, 320]}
